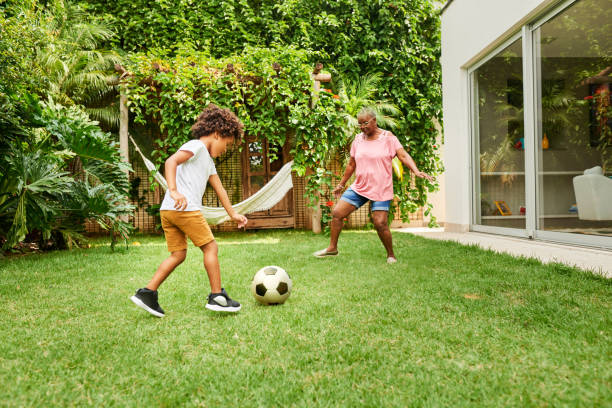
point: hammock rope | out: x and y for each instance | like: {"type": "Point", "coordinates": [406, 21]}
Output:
{"type": "Point", "coordinates": [265, 198]}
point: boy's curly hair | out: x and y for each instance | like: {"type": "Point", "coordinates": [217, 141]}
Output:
{"type": "Point", "coordinates": [214, 119]}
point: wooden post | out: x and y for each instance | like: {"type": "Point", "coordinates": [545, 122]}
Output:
{"type": "Point", "coordinates": [123, 127]}
{"type": "Point", "coordinates": [124, 119]}
{"type": "Point", "coordinates": [317, 77]}
{"type": "Point", "coordinates": [124, 116]}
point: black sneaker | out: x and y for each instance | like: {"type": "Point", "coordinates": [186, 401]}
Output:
{"type": "Point", "coordinates": [147, 299]}
{"type": "Point", "coordinates": [221, 302]}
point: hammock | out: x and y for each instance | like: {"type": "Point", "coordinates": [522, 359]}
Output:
{"type": "Point", "coordinates": [267, 197]}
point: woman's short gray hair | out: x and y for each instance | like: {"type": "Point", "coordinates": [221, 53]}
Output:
{"type": "Point", "coordinates": [369, 112]}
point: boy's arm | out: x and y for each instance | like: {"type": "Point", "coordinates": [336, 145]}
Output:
{"type": "Point", "coordinates": [407, 160]}
{"type": "Point", "coordinates": [215, 183]}
{"type": "Point", "coordinates": [180, 202]}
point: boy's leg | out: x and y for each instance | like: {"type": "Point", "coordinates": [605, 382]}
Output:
{"type": "Point", "coordinates": [218, 299]}
{"type": "Point", "coordinates": [147, 297]}
{"type": "Point", "coordinates": [167, 266]}
{"type": "Point", "coordinates": [194, 225]}
{"type": "Point", "coordinates": [211, 264]}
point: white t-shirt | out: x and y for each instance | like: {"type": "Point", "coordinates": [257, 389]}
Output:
{"type": "Point", "coordinates": [192, 176]}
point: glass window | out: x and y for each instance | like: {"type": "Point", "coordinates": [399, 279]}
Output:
{"type": "Point", "coordinates": [499, 135]}
{"type": "Point", "coordinates": [574, 120]}
{"type": "Point", "coordinates": [256, 164]}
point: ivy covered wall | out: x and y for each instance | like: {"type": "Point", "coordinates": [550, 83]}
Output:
{"type": "Point", "coordinates": [398, 39]}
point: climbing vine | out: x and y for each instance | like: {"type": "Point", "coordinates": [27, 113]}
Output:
{"type": "Point", "coordinates": [399, 39]}
{"type": "Point", "coordinates": [270, 90]}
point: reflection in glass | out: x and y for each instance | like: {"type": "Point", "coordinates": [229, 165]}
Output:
{"type": "Point", "coordinates": [256, 163]}
{"type": "Point", "coordinates": [498, 91]}
{"type": "Point", "coordinates": [255, 147]}
{"type": "Point", "coordinates": [257, 182]}
{"type": "Point", "coordinates": [574, 120]}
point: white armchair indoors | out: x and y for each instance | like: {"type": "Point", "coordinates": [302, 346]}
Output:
{"type": "Point", "coordinates": [593, 195]}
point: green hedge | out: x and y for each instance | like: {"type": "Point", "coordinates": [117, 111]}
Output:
{"type": "Point", "coordinates": [400, 39]}
{"type": "Point", "coordinates": [170, 92]}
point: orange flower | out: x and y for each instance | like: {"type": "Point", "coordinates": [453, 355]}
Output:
{"type": "Point", "coordinates": [329, 204]}
{"type": "Point", "coordinates": [335, 96]}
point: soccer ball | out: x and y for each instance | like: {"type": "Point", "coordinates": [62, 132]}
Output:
{"type": "Point", "coordinates": [271, 285]}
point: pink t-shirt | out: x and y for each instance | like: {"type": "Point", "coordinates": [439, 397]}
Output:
{"type": "Point", "coordinates": [373, 173]}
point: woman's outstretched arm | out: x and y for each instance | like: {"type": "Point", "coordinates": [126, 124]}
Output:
{"type": "Point", "coordinates": [407, 160]}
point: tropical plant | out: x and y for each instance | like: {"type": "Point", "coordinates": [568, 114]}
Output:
{"type": "Point", "coordinates": [602, 129]}
{"type": "Point", "coordinates": [362, 94]}
{"type": "Point", "coordinates": [39, 197]}
{"type": "Point", "coordinates": [101, 188]}
{"type": "Point", "coordinates": [22, 34]}
{"type": "Point", "coordinates": [31, 198]}
{"type": "Point", "coordinates": [97, 152]}
{"type": "Point", "coordinates": [97, 203]}
{"type": "Point", "coordinates": [76, 70]}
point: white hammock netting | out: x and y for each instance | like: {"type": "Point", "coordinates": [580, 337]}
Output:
{"type": "Point", "coordinates": [267, 197]}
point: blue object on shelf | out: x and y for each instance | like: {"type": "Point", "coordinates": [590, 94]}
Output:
{"type": "Point", "coordinates": [573, 209]}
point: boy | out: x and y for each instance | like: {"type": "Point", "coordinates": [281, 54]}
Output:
{"type": "Point", "coordinates": [187, 172]}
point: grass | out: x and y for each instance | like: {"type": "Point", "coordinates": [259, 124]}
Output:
{"type": "Point", "coordinates": [448, 325]}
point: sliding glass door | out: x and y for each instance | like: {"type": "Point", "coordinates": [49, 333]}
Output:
{"type": "Point", "coordinates": [499, 146]}
{"type": "Point", "coordinates": [541, 124]}
{"type": "Point", "coordinates": [573, 63]}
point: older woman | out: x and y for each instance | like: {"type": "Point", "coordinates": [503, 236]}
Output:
{"type": "Point", "coordinates": [371, 155]}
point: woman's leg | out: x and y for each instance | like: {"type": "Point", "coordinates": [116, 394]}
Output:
{"type": "Point", "coordinates": [384, 233]}
{"type": "Point", "coordinates": [340, 211]}
{"type": "Point", "coordinates": [167, 266]}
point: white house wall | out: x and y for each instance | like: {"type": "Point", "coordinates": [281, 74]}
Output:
{"type": "Point", "coordinates": [470, 30]}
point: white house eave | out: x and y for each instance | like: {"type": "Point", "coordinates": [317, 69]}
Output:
{"type": "Point", "coordinates": [542, 9]}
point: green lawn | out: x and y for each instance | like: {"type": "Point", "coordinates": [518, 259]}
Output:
{"type": "Point", "coordinates": [448, 325]}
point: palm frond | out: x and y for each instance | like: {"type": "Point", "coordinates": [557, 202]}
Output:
{"type": "Point", "coordinates": [86, 82]}
{"type": "Point", "coordinates": [87, 35]}
{"type": "Point", "coordinates": [77, 71]}
{"type": "Point", "coordinates": [108, 115]}
{"type": "Point", "coordinates": [361, 93]}
{"type": "Point", "coordinates": [367, 86]}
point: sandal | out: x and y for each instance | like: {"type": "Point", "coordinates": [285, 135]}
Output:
{"type": "Point", "coordinates": [323, 253]}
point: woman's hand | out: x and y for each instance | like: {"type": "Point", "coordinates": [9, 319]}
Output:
{"type": "Point", "coordinates": [424, 175]}
{"type": "Point", "coordinates": [338, 191]}
{"type": "Point", "coordinates": [180, 201]}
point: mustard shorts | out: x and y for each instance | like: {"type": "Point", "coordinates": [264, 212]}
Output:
{"type": "Point", "coordinates": [178, 225]}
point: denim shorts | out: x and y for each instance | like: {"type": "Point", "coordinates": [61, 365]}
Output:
{"type": "Point", "coordinates": [358, 200]}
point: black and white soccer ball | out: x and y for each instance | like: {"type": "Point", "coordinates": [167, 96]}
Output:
{"type": "Point", "coordinates": [271, 285]}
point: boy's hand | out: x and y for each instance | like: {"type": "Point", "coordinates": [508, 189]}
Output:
{"type": "Point", "coordinates": [240, 219]}
{"type": "Point", "coordinates": [180, 201]}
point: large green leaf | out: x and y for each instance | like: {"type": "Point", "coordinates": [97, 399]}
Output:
{"type": "Point", "coordinates": [38, 181]}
